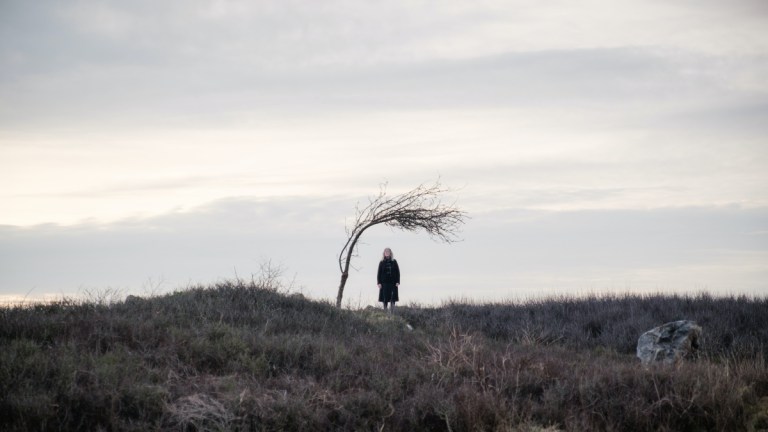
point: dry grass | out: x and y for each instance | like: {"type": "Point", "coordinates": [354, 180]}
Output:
{"type": "Point", "coordinates": [244, 356]}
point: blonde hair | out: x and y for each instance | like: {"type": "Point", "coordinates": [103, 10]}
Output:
{"type": "Point", "coordinates": [391, 255]}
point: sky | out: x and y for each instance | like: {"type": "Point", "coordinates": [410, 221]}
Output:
{"type": "Point", "coordinates": [596, 146]}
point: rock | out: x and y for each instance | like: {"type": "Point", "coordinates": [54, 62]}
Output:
{"type": "Point", "coordinates": [669, 343]}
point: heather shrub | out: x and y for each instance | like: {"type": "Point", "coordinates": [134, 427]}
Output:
{"type": "Point", "coordinates": [247, 356]}
{"type": "Point", "coordinates": [733, 326]}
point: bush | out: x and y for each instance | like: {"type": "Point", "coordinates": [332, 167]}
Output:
{"type": "Point", "coordinates": [244, 356]}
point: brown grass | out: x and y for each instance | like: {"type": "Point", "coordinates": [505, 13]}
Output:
{"type": "Point", "coordinates": [244, 356]}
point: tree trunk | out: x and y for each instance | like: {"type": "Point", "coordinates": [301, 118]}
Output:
{"type": "Point", "coordinates": [345, 271]}
{"type": "Point", "coordinates": [344, 277]}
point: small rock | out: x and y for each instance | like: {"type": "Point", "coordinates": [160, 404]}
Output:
{"type": "Point", "coordinates": [670, 343]}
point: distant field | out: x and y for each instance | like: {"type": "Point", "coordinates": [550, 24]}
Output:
{"type": "Point", "coordinates": [246, 356]}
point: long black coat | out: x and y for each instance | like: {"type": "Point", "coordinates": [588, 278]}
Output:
{"type": "Point", "coordinates": [388, 276]}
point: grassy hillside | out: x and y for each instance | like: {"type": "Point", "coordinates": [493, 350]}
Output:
{"type": "Point", "coordinates": [240, 356]}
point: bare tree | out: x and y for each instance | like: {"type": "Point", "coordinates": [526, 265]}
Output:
{"type": "Point", "coordinates": [418, 209]}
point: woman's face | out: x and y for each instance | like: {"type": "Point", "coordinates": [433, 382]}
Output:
{"type": "Point", "coordinates": [387, 253]}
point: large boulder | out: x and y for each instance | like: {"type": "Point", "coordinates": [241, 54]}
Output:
{"type": "Point", "coordinates": [670, 343]}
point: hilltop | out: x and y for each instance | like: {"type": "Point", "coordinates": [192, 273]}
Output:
{"type": "Point", "coordinates": [246, 356]}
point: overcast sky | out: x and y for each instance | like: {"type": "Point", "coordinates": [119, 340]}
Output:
{"type": "Point", "coordinates": [598, 146]}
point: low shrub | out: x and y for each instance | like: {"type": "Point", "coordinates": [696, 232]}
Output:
{"type": "Point", "coordinates": [244, 356]}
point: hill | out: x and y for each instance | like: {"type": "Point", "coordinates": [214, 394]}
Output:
{"type": "Point", "coordinates": [245, 356]}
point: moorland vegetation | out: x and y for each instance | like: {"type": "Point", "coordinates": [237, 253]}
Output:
{"type": "Point", "coordinates": [243, 355]}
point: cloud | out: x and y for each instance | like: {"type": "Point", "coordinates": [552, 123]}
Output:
{"type": "Point", "coordinates": [203, 245]}
{"type": "Point", "coordinates": [505, 253]}
{"type": "Point", "coordinates": [111, 63]}
{"type": "Point", "coordinates": [115, 110]}
{"type": "Point", "coordinates": [126, 95]}
{"type": "Point", "coordinates": [545, 158]}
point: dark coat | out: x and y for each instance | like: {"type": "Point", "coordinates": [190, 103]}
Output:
{"type": "Point", "coordinates": [388, 276]}
{"type": "Point", "coordinates": [389, 272]}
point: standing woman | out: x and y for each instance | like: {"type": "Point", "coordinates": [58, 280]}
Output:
{"type": "Point", "coordinates": [388, 279]}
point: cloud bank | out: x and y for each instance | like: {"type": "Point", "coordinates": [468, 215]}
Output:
{"type": "Point", "coordinates": [512, 254]}
{"type": "Point", "coordinates": [605, 145]}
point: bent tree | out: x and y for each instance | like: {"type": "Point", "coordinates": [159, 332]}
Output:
{"type": "Point", "coordinates": [419, 209]}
